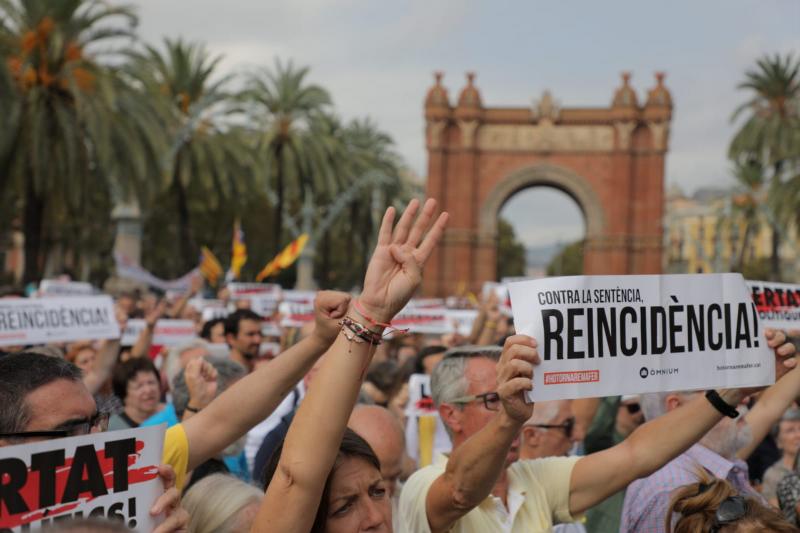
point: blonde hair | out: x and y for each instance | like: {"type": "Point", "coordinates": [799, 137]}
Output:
{"type": "Point", "coordinates": [214, 503]}
{"type": "Point", "coordinates": [697, 505]}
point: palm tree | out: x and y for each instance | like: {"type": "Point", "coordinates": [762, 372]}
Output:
{"type": "Point", "coordinates": [771, 131]}
{"type": "Point", "coordinates": [285, 105]}
{"type": "Point", "coordinates": [70, 129]}
{"type": "Point", "coordinates": [747, 207]}
{"type": "Point", "coordinates": [206, 150]}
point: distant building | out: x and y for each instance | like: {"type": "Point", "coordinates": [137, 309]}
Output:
{"type": "Point", "coordinates": [703, 234]}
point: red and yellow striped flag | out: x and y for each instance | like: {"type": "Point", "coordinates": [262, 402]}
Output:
{"type": "Point", "coordinates": [284, 259]}
{"type": "Point", "coordinates": [238, 251]}
{"type": "Point", "coordinates": [209, 266]}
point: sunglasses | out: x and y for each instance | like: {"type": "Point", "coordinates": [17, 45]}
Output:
{"type": "Point", "coordinates": [730, 510]}
{"type": "Point", "coordinates": [567, 426]}
{"type": "Point", "coordinates": [491, 400]}
{"type": "Point", "coordinates": [96, 424]}
{"type": "Point", "coordinates": [632, 408]}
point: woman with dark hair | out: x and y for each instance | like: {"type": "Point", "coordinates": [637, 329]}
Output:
{"type": "Point", "coordinates": [325, 479]}
{"type": "Point", "coordinates": [136, 382]}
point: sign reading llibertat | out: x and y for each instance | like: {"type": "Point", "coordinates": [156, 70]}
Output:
{"type": "Point", "coordinates": [612, 335]}
{"type": "Point", "coordinates": [26, 321]}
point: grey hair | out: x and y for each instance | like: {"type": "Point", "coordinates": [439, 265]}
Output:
{"type": "Point", "coordinates": [544, 412]}
{"type": "Point", "coordinates": [654, 404]}
{"type": "Point", "coordinates": [228, 371]}
{"type": "Point", "coordinates": [172, 365]}
{"type": "Point", "coordinates": [447, 379]}
{"type": "Point", "coordinates": [792, 414]}
{"type": "Point", "coordinates": [214, 504]}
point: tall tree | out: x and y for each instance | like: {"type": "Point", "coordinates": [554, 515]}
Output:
{"type": "Point", "coordinates": [207, 155]}
{"type": "Point", "coordinates": [73, 125]}
{"type": "Point", "coordinates": [770, 134]}
{"type": "Point", "coordinates": [284, 105]}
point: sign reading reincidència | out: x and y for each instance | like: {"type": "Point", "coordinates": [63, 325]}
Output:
{"type": "Point", "coordinates": [108, 475]}
{"type": "Point", "coordinates": [26, 321]}
{"type": "Point", "coordinates": [611, 335]}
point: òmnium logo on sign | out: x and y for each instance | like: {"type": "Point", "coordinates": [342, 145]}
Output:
{"type": "Point", "coordinates": [644, 372]}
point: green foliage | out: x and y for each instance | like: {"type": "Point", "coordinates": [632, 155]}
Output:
{"type": "Point", "coordinates": [766, 148]}
{"type": "Point", "coordinates": [568, 262]}
{"type": "Point", "coordinates": [510, 252]}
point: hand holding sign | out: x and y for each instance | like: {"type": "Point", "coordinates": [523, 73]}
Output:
{"type": "Point", "coordinates": [168, 504]}
{"type": "Point", "coordinates": [784, 349]}
{"type": "Point", "coordinates": [515, 376]}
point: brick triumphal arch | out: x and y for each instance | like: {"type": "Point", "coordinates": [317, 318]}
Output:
{"type": "Point", "coordinates": [610, 160]}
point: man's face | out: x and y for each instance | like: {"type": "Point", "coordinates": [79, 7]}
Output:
{"type": "Point", "coordinates": [789, 436]}
{"type": "Point", "coordinates": [248, 341]}
{"type": "Point", "coordinates": [554, 442]}
{"type": "Point", "coordinates": [629, 417]}
{"type": "Point", "coordinates": [58, 405]}
{"type": "Point", "coordinates": [481, 373]}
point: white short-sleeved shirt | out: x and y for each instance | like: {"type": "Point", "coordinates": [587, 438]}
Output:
{"type": "Point", "coordinates": [538, 497]}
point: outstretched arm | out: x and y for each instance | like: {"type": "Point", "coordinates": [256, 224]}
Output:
{"type": "Point", "coordinates": [312, 443]}
{"type": "Point", "coordinates": [253, 398]}
{"type": "Point", "coordinates": [599, 475]}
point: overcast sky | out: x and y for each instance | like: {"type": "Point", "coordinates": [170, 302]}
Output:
{"type": "Point", "coordinates": [377, 59]}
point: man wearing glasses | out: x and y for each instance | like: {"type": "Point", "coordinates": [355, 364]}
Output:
{"type": "Point", "coordinates": [483, 487]}
{"type": "Point", "coordinates": [44, 397]}
{"type": "Point", "coordinates": [550, 432]}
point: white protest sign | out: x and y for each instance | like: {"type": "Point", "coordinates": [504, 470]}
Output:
{"type": "Point", "coordinates": [296, 315]}
{"type": "Point", "coordinates": [501, 291]}
{"type": "Point", "coordinates": [778, 304]}
{"type": "Point", "coordinates": [167, 332]}
{"type": "Point", "coordinates": [295, 296]}
{"type": "Point", "coordinates": [112, 475]}
{"type": "Point", "coordinates": [271, 328]}
{"type": "Point", "coordinates": [424, 321]}
{"type": "Point", "coordinates": [612, 335]}
{"type": "Point", "coordinates": [420, 404]}
{"type": "Point", "coordinates": [56, 287]}
{"type": "Point", "coordinates": [461, 320]}
{"type": "Point", "coordinates": [44, 320]}
{"type": "Point", "coordinates": [240, 291]}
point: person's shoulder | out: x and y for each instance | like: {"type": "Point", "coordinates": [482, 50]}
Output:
{"type": "Point", "coordinates": [543, 465]}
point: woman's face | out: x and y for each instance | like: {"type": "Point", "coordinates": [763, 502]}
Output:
{"type": "Point", "coordinates": [144, 393]}
{"type": "Point", "coordinates": [358, 499]}
{"type": "Point", "coordinates": [85, 359]}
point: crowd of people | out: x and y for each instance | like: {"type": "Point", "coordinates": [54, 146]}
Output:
{"type": "Point", "coordinates": [325, 438]}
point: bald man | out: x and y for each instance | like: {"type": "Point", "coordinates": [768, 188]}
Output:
{"type": "Point", "coordinates": [550, 432]}
{"type": "Point", "coordinates": [383, 432]}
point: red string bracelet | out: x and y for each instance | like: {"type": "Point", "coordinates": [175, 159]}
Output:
{"type": "Point", "coordinates": [374, 322]}
{"type": "Point", "coordinates": [371, 320]}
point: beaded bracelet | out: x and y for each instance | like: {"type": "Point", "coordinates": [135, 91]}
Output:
{"type": "Point", "coordinates": [359, 333]}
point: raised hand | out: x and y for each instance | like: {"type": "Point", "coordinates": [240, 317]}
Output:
{"type": "Point", "coordinates": [155, 314]}
{"type": "Point", "coordinates": [515, 376]}
{"type": "Point", "coordinates": [168, 504]}
{"type": "Point", "coordinates": [201, 381]}
{"type": "Point", "coordinates": [395, 270]}
{"type": "Point", "coordinates": [329, 308]}
{"type": "Point", "coordinates": [784, 348]}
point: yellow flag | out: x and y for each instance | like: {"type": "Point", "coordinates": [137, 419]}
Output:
{"type": "Point", "coordinates": [284, 259]}
{"type": "Point", "coordinates": [209, 266]}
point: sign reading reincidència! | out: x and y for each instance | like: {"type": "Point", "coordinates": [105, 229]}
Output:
{"type": "Point", "coordinates": [43, 320]}
{"type": "Point", "coordinates": [612, 335]}
{"type": "Point", "coordinates": [111, 475]}
{"type": "Point", "coordinates": [778, 304]}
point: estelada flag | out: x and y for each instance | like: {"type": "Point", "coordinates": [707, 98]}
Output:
{"type": "Point", "coordinates": [284, 259]}
{"type": "Point", "coordinates": [209, 266]}
{"type": "Point", "coordinates": [238, 251]}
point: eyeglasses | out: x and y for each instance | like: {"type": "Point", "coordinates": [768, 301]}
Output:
{"type": "Point", "coordinates": [567, 426]}
{"type": "Point", "coordinates": [96, 424]}
{"type": "Point", "coordinates": [491, 400]}
{"type": "Point", "coordinates": [632, 408]}
{"type": "Point", "coordinates": [730, 510]}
